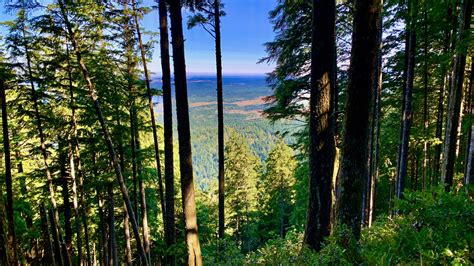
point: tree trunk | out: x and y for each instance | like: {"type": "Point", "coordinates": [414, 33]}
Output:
{"type": "Point", "coordinates": [152, 111]}
{"type": "Point", "coordinates": [353, 171]}
{"type": "Point", "coordinates": [321, 124]}
{"type": "Point", "coordinates": [220, 116]}
{"type": "Point", "coordinates": [11, 237]}
{"type": "Point", "coordinates": [57, 244]}
{"type": "Point", "coordinates": [48, 258]}
{"type": "Point", "coordinates": [168, 130]}
{"type": "Point", "coordinates": [469, 172]}
{"type": "Point", "coordinates": [65, 193]}
{"type": "Point", "coordinates": [410, 52]}
{"type": "Point", "coordinates": [103, 230]}
{"type": "Point", "coordinates": [105, 131]}
{"type": "Point", "coordinates": [72, 173]}
{"type": "Point", "coordinates": [128, 248]}
{"type": "Point", "coordinates": [455, 98]}
{"type": "Point", "coordinates": [112, 240]}
{"type": "Point", "coordinates": [184, 136]}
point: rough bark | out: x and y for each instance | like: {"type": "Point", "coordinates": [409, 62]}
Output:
{"type": "Point", "coordinates": [454, 100]}
{"type": "Point", "coordinates": [105, 131]}
{"type": "Point", "coordinates": [184, 136]}
{"type": "Point", "coordinates": [11, 236]}
{"type": "Point", "coordinates": [353, 171]}
{"type": "Point", "coordinates": [168, 129]}
{"type": "Point", "coordinates": [321, 124]}
{"type": "Point", "coordinates": [126, 228]}
{"type": "Point", "coordinates": [410, 52]}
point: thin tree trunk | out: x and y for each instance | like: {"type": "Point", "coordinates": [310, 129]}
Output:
{"type": "Point", "coordinates": [48, 258]}
{"type": "Point", "coordinates": [469, 172]}
{"type": "Point", "coordinates": [425, 101]}
{"type": "Point", "coordinates": [44, 153]}
{"type": "Point", "coordinates": [65, 193]}
{"type": "Point", "coordinates": [103, 231]}
{"type": "Point", "coordinates": [321, 124]}
{"type": "Point", "coordinates": [57, 244]}
{"type": "Point", "coordinates": [408, 92]}
{"type": "Point", "coordinates": [353, 171]}
{"type": "Point", "coordinates": [72, 173]}
{"type": "Point", "coordinates": [152, 111]}
{"type": "Point", "coordinates": [168, 130]}
{"type": "Point", "coordinates": [112, 240]}
{"type": "Point", "coordinates": [454, 102]}
{"type": "Point", "coordinates": [105, 131]}
{"type": "Point", "coordinates": [11, 236]}
{"type": "Point", "coordinates": [220, 116]}
{"type": "Point", "coordinates": [126, 227]}
{"type": "Point", "coordinates": [184, 136]}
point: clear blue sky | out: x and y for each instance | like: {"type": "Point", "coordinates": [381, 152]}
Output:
{"type": "Point", "coordinates": [245, 29]}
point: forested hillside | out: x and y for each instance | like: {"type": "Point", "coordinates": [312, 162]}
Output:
{"type": "Point", "coordinates": [356, 148]}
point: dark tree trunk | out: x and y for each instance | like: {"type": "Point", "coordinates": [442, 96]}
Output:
{"type": "Point", "coordinates": [407, 99]}
{"type": "Point", "coordinates": [425, 101]}
{"type": "Point", "coordinates": [353, 171]}
{"type": "Point", "coordinates": [321, 124]}
{"type": "Point", "coordinates": [65, 193]}
{"type": "Point", "coordinates": [11, 237]}
{"type": "Point", "coordinates": [56, 243]}
{"type": "Point", "coordinates": [48, 258]}
{"type": "Point", "coordinates": [93, 95]}
{"type": "Point", "coordinates": [469, 172]}
{"type": "Point", "coordinates": [75, 204]}
{"type": "Point", "coordinates": [184, 136]}
{"type": "Point", "coordinates": [112, 240]}
{"type": "Point", "coordinates": [152, 112]}
{"type": "Point", "coordinates": [220, 115]}
{"type": "Point", "coordinates": [455, 98]}
{"type": "Point", "coordinates": [168, 129]}
{"type": "Point", "coordinates": [103, 231]}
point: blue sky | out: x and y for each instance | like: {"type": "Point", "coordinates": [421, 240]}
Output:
{"type": "Point", "coordinates": [245, 29]}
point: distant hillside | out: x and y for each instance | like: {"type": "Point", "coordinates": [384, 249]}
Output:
{"type": "Point", "coordinates": [243, 104]}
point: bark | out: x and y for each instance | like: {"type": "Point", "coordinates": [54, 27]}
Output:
{"type": "Point", "coordinates": [65, 193]}
{"type": "Point", "coordinates": [77, 222]}
{"type": "Point", "coordinates": [454, 101]}
{"type": "Point", "coordinates": [93, 95]}
{"type": "Point", "coordinates": [4, 258]}
{"type": "Point", "coordinates": [103, 231]}
{"type": "Point", "coordinates": [469, 172]}
{"type": "Point", "coordinates": [48, 258]}
{"type": "Point", "coordinates": [168, 129]}
{"type": "Point", "coordinates": [321, 124]}
{"type": "Point", "coordinates": [184, 136]}
{"type": "Point", "coordinates": [58, 255]}
{"type": "Point", "coordinates": [425, 101]}
{"type": "Point", "coordinates": [220, 115]}
{"type": "Point", "coordinates": [112, 240]}
{"type": "Point", "coordinates": [11, 236]}
{"type": "Point", "coordinates": [126, 227]}
{"type": "Point", "coordinates": [410, 52]}
{"type": "Point", "coordinates": [353, 171]}
{"type": "Point", "coordinates": [152, 111]}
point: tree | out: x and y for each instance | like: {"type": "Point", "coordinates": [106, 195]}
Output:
{"type": "Point", "coordinates": [276, 190]}
{"type": "Point", "coordinates": [353, 169]}
{"type": "Point", "coordinates": [11, 236]}
{"type": "Point", "coordinates": [209, 13]}
{"type": "Point", "coordinates": [321, 124]}
{"type": "Point", "coordinates": [184, 136]}
{"type": "Point", "coordinates": [241, 193]}
{"type": "Point", "coordinates": [455, 98]}
{"type": "Point", "coordinates": [168, 127]}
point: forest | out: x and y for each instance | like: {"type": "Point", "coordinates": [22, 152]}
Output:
{"type": "Point", "coordinates": [356, 148]}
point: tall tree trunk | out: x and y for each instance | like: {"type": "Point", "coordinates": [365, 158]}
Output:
{"type": "Point", "coordinates": [112, 240]}
{"type": "Point", "coordinates": [168, 129]}
{"type": "Point", "coordinates": [103, 231]}
{"type": "Point", "coordinates": [353, 171]}
{"type": "Point", "coordinates": [128, 248]}
{"type": "Point", "coordinates": [410, 51]}
{"type": "Point", "coordinates": [65, 193]}
{"type": "Point", "coordinates": [52, 194]}
{"type": "Point", "coordinates": [72, 173]}
{"type": "Point", "coordinates": [46, 241]}
{"type": "Point", "coordinates": [11, 236]}
{"type": "Point", "coordinates": [58, 255]}
{"type": "Point", "coordinates": [220, 115]}
{"type": "Point", "coordinates": [425, 101]}
{"type": "Point", "coordinates": [152, 111]}
{"type": "Point", "coordinates": [455, 98]}
{"type": "Point", "coordinates": [93, 95]}
{"type": "Point", "coordinates": [469, 172]}
{"type": "Point", "coordinates": [184, 136]}
{"type": "Point", "coordinates": [321, 124]}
